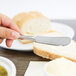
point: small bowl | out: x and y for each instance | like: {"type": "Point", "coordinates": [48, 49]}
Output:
{"type": "Point", "coordinates": [45, 71]}
{"type": "Point", "coordinates": [8, 65]}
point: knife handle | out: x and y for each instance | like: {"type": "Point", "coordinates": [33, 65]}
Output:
{"type": "Point", "coordinates": [26, 37]}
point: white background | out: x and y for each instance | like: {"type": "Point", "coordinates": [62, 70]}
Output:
{"type": "Point", "coordinates": [54, 9]}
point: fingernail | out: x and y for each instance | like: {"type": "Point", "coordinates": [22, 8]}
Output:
{"type": "Point", "coordinates": [15, 35]}
{"type": "Point", "coordinates": [21, 33]}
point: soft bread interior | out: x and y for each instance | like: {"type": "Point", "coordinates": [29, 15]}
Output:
{"type": "Point", "coordinates": [61, 67]}
{"type": "Point", "coordinates": [36, 26]}
{"type": "Point", "coordinates": [52, 52]}
{"type": "Point", "coordinates": [65, 51]}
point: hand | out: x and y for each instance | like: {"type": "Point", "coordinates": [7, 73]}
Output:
{"type": "Point", "coordinates": [8, 30]}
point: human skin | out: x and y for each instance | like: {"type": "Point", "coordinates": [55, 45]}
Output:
{"type": "Point", "coordinates": [8, 30]}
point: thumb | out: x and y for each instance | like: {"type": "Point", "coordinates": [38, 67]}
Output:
{"type": "Point", "coordinates": [8, 33]}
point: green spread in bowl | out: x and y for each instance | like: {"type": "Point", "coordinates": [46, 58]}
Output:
{"type": "Point", "coordinates": [3, 71]}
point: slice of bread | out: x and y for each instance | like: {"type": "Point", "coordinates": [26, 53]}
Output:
{"type": "Point", "coordinates": [53, 52]}
{"type": "Point", "coordinates": [25, 41]}
{"type": "Point", "coordinates": [32, 23]}
{"type": "Point", "coordinates": [61, 67]}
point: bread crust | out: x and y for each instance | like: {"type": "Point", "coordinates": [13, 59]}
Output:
{"type": "Point", "coordinates": [48, 55]}
{"type": "Point", "coordinates": [21, 18]}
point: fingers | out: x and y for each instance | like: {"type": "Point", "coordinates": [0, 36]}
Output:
{"type": "Point", "coordinates": [7, 22]}
{"type": "Point", "coordinates": [8, 33]}
{"type": "Point", "coordinates": [11, 31]}
{"type": "Point", "coordinates": [9, 42]}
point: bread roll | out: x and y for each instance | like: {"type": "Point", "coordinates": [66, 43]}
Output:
{"type": "Point", "coordinates": [32, 23]}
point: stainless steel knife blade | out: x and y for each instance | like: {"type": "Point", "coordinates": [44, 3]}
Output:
{"type": "Point", "coordinates": [53, 40]}
{"type": "Point", "coordinates": [49, 40]}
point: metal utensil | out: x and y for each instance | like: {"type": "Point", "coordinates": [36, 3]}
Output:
{"type": "Point", "coordinates": [48, 40]}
